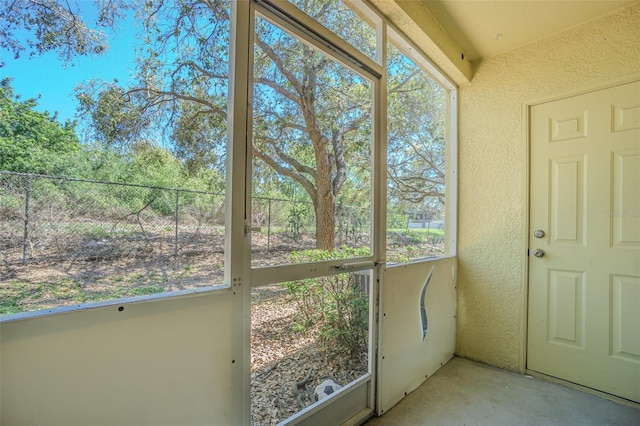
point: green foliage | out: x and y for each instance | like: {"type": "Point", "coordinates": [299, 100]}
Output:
{"type": "Point", "coordinates": [311, 116]}
{"type": "Point", "coordinates": [147, 165]}
{"type": "Point", "coordinates": [10, 207]}
{"type": "Point", "coordinates": [53, 25]}
{"type": "Point", "coordinates": [178, 89]}
{"type": "Point", "coordinates": [297, 216]}
{"type": "Point", "coordinates": [416, 122]}
{"type": "Point", "coordinates": [395, 219]}
{"type": "Point", "coordinates": [338, 304]}
{"type": "Point", "coordinates": [353, 223]}
{"type": "Point", "coordinates": [31, 140]}
{"type": "Point", "coordinates": [200, 139]}
{"type": "Point", "coordinates": [114, 116]}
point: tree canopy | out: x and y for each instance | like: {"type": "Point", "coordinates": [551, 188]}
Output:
{"type": "Point", "coordinates": [30, 139]}
{"type": "Point", "coordinates": [416, 126]}
{"type": "Point", "coordinates": [54, 25]}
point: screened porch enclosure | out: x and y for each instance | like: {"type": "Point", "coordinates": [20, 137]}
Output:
{"type": "Point", "coordinates": [317, 287]}
{"type": "Point", "coordinates": [425, 285]}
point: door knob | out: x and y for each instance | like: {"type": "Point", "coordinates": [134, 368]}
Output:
{"type": "Point", "coordinates": [538, 252]}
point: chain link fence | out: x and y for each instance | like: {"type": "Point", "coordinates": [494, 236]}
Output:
{"type": "Point", "coordinates": [47, 219]}
{"type": "Point", "coordinates": [55, 219]}
{"type": "Point", "coordinates": [65, 240]}
{"type": "Point", "coordinates": [282, 223]}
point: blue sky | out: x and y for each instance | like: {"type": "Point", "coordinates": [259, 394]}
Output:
{"type": "Point", "coordinates": [54, 80]}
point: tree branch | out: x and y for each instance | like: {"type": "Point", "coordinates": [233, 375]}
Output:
{"type": "Point", "coordinates": [279, 89]}
{"type": "Point", "coordinates": [298, 166]}
{"type": "Point", "coordinates": [337, 140]}
{"type": "Point", "coordinates": [306, 183]}
{"type": "Point", "coordinates": [280, 65]}
{"type": "Point", "coordinates": [198, 68]}
{"type": "Point", "coordinates": [174, 95]}
{"type": "Point", "coordinates": [404, 82]}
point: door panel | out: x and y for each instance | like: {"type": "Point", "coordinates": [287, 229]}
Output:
{"type": "Point", "coordinates": [626, 186]}
{"type": "Point", "coordinates": [584, 282]}
{"type": "Point", "coordinates": [625, 315]}
{"type": "Point", "coordinates": [567, 201]}
{"type": "Point", "coordinates": [566, 308]}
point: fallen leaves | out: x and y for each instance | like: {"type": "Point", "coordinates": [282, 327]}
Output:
{"type": "Point", "coordinates": [280, 358]}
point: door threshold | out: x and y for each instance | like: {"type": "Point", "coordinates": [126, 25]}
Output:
{"type": "Point", "coordinates": [585, 389]}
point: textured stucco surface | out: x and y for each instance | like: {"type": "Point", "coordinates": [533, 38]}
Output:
{"type": "Point", "coordinates": [492, 168]}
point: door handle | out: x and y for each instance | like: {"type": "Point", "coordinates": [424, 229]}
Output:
{"type": "Point", "coordinates": [538, 252]}
{"type": "Point", "coordinates": [354, 265]}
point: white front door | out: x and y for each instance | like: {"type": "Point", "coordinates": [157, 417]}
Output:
{"type": "Point", "coordinates": [584, 240]}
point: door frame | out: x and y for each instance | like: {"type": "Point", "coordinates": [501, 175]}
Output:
{"type": "Point", "coordinates": [356, 400]}
{"type": "Point", "coordinates": [527, 105]}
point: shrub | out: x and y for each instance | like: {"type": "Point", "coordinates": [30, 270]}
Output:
{"type": "Point", "coordinates": [10, 207]}
{"type": "Point", "coordinates": [297, 216]}
{"type": "Point", "coordinates": [338, 304]}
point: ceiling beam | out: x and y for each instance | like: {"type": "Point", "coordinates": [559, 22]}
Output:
{"type": "Point", "coordinates": [414, 20]}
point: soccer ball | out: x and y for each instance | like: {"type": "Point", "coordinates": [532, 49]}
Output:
{"type": "Point", "coordinates": [325, 389]}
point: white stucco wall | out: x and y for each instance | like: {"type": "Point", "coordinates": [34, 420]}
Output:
{"type": "Point", "coordinates": [492, 168]}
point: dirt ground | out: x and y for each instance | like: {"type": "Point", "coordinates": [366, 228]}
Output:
{"type": "Point", "coordinates": [68, 271]}
{"type": "Point", "coordinates": [280, 358]}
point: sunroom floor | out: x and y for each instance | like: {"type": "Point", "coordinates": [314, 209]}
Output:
{"type": "Point", "coordinates": [467, 393]}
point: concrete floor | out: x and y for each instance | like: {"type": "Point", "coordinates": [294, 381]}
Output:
{"type": "Point", "coordinates": [467, 393]}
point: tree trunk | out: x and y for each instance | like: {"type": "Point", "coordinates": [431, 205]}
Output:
{"type": "Point", "coordinates": [325, 208]}
{"type": "Point", "coordinates": [325, 199]}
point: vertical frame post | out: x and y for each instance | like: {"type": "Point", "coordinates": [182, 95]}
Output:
{"type": "Point", "coordinates": [237, 271]}
{"type": "Point", "coordinates": [379, 211]}
{"type": "Point", "coordinates": [269, 227]}
{"type": "Point", "coordinates": [175, 246]}
{"type": "Point", "coordinates": [25, 239]}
